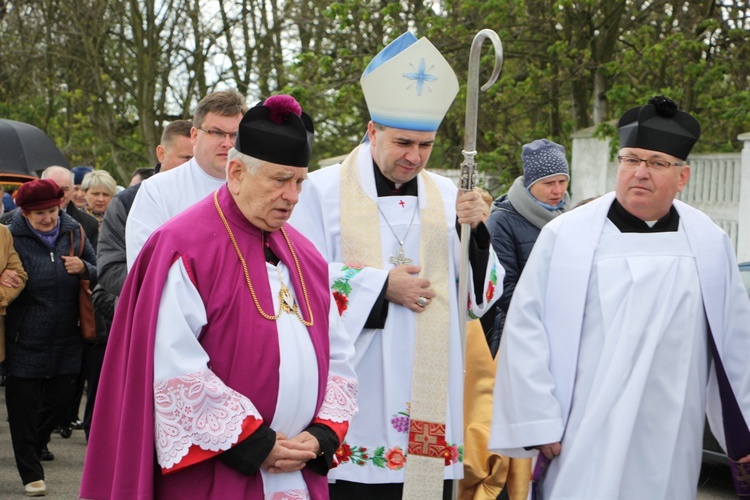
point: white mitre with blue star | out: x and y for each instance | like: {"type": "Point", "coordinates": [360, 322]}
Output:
{"type": "Point", "coordinates": [409, 85]}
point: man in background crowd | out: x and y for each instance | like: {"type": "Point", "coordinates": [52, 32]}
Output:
{"type": "Point", "coordinates": [176, 146]}
{"type": "Point", "coordinates": [140, 175]}
{"type": "Point", "coordinates": [175, 149]}
{"type": "Point", "coordinates": [215, 124]}
{"type": "Point", "coordinates": [78, 197]}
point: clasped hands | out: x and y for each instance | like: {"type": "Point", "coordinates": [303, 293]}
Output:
{"type": "Point", "coordinates": [291, 455]}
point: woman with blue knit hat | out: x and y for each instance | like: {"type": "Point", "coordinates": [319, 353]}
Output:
{"type": "Point", "coordinates": [534, 199]}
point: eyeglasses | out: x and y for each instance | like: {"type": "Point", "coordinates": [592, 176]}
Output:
{"type": "Point", "coordinates": [631, 163]}
{"type": "Point", "coordinates": [220, 134]}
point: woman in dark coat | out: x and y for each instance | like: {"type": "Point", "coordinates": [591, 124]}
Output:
{"type": "Point", "coordinates": [43, 338]}
{"type": "Point", "coordinates": [517, 218]}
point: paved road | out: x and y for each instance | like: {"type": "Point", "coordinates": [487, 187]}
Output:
{"type": "Point", "coordinates": [63, 474]}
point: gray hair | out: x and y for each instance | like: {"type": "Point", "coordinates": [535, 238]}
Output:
{"type": "Point", "coordinates": [251, 164]}
{"type": "Point", "coordinates": [99, 178]}
{"type": "Point", "coordinates": [57, 169]}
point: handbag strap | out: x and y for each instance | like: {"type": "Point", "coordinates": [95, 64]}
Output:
{"type": "Point", "coordinates": [83, 242]}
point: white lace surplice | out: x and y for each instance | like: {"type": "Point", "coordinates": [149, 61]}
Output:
{"type": "Point", "coordinates": [194, 407]}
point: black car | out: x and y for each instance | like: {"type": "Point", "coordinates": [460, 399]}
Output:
{"type": "Point", "coordinates": [712, 452]}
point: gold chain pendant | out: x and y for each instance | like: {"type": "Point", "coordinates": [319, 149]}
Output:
{"type": "Point", "coordinates": [286, 298]}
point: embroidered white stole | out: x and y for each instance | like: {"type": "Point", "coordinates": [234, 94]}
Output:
{"type": "Point", "coordinates": [361, 246]}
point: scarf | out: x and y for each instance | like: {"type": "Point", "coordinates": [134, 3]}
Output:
{"type": "Point", "coordinates": [526, 205]}
{"type": "Point", "coordinates": [47, 238]}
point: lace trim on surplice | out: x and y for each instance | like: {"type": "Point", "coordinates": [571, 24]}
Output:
{"type": "Point", "coordinates": [288, 495]}
{"type": "Point", "coordinates": [340, 402]}
{"type": "Point", "coordinates": [197, 409]}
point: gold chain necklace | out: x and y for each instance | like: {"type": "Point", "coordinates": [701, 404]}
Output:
{"type": "Point", "coordinates": [286, 300]}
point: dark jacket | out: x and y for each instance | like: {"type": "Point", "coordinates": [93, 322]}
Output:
{"type": "Point", "coordinates": [104, 307]}
{"type": "Point", "coordinates": [513, 237]}
{"type": "Point", "coordinates": [43, 338]}
{"type": "Point", "coordinates": [111, 256]}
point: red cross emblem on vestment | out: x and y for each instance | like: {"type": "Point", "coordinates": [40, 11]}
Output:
{"type": "Point", "coordinates": [402, 203]}
{"type": "Point", "coordinates": [427, 439]}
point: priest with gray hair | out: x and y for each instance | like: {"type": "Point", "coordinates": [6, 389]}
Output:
{"type": "Point", "coordinates": [228, 366]}
{"type": "Point", "coordinates": [628, 325]}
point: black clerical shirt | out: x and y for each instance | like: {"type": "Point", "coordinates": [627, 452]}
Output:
{"type": "Point", "coordinates": [629, 223]}
{"type": "Point", "coordinates": [478, 248]}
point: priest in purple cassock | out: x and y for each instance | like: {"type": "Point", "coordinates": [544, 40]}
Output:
{"type": "Point", "coordinates": [228, 370]}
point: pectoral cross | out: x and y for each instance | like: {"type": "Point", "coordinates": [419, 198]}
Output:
{"type": "Point", "coordinates": [400, 258]}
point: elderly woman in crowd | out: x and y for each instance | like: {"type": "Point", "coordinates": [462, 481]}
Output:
{"type": "Point", "coordinates": [98, 188]}
{"type": "Point", "coordinates": [43, 338]}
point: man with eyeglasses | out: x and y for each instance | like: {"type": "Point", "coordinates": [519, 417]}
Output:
{"type": "Point", "coordinates": [161, 197]}
{"type": "Point", "coordinates": [629, 322]}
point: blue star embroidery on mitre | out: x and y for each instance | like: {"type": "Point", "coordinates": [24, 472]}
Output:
{"type": "Point", "coordinates": [421, 76]}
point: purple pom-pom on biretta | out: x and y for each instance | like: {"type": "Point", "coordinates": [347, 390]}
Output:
{"type": "Point", "coordinates": [279, 107]}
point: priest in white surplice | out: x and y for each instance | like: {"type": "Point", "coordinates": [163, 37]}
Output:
{"type": "Point", "coordinates": [163, 196]}
{"type": "Point", "coordinates": [388, 230]}
{"type": "Point", "coordinates": [629, 320]}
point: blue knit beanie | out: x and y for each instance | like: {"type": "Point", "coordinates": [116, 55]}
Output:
{"type": "Point", "coordinates": [79, 173]}
{"type": "Point", "coordinates": [541, 159]}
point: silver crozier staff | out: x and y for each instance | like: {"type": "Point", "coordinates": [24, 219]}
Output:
{"type": "Point", "coordinates": [469, 168]}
